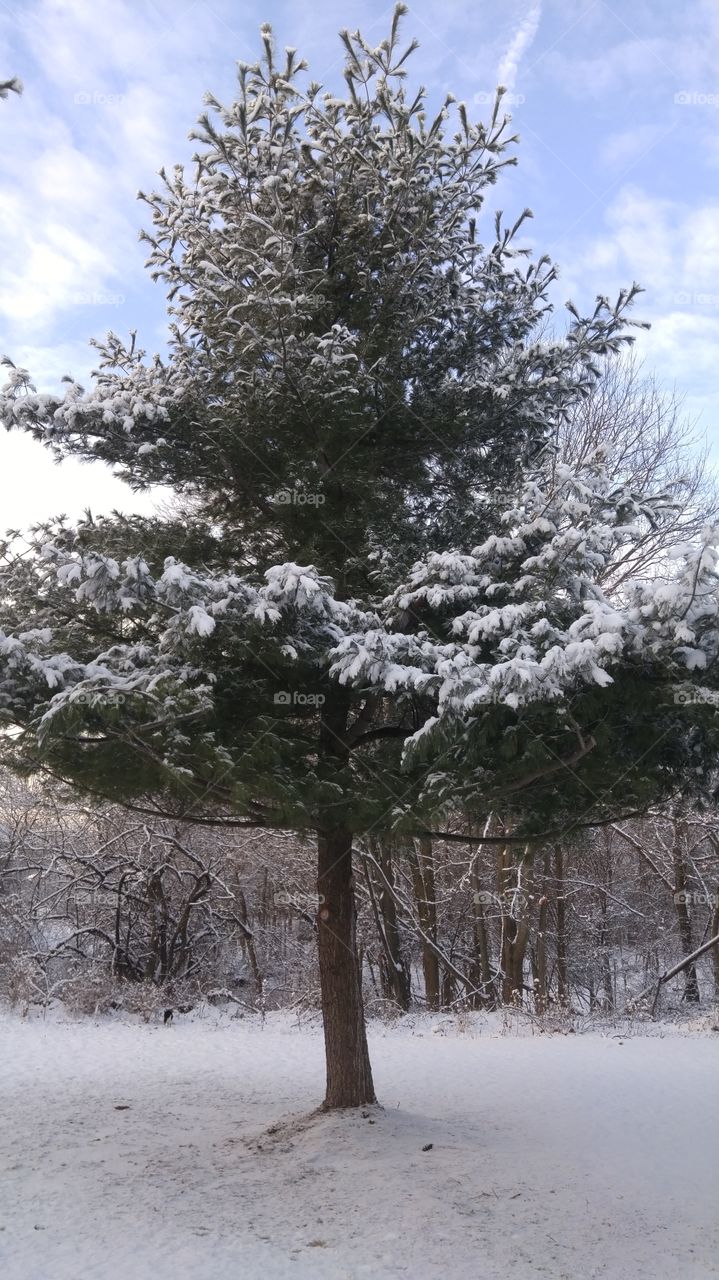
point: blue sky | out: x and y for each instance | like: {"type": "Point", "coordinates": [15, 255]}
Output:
{"type": "Point", "coordinates": [616, 104]}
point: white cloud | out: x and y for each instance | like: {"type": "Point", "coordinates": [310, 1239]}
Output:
{"type": "Point", "coordinates": [111, 92]}
{"type": "Point", "coordinates": [628, 63]}
{"type": "Point", "coordinates": [673, 251]}
{"type": "Point", "coordinates": [67, 489]}
{"type": "Point", "coordinates": [639, 238]}
{"type": "Point", "coordinates": [623, 149]}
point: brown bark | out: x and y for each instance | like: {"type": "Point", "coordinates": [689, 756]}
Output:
{"type": "Point", "coordinates": [516, 936]}
{"type": "Point", "coordinates": [349, 1075]}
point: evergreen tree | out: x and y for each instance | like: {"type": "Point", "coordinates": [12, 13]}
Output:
{"type": "Point", "coordinates": [353, 380]}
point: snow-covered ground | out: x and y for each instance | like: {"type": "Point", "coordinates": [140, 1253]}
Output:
{"type": "Point", "coordinates": [191, 1152]}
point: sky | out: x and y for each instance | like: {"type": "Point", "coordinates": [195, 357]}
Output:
{"type": "Point", "coordinates": [616, 105]}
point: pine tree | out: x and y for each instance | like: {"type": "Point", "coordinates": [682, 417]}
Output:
{"type": "Point", "coordinates": [353, 378]}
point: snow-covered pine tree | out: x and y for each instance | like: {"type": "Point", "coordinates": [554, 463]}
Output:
{"type": "Point", "coordinates": [555, 698]}
{"type": "Point", "coordinates": [351, 377]}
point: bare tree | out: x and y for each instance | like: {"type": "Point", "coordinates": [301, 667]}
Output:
{"type": "Point", "coordinates": [652, 448]}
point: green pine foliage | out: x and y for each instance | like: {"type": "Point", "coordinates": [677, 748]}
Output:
{"type": "Point", "coordinates": [356, 399]}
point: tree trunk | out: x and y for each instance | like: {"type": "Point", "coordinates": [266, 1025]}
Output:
{"type": "Point", "coordinates": [395, 974]}
{"type": "Point", "coordinates": [248, 941]}
{"type": "Point", "coordinates": [422, 868]}
{"type": "Point", "coordinates": [562, 970]}
{"type": "Point", "coordinates": [485, 995]}
{"type": "Point", "coordinates": [604, 949]}
{"type": "Point", "coordinates": [714, 931]}
{"type": "Point", "coordinates": [349, 1075]}
{"type": "Point", "coordinates": [512, 883]}
{"type": "Point", "coordinates": [681, 879]}
{"type": "Point", "coordinates": [541, 979]}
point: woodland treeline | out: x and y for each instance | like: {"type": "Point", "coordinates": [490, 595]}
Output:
{"type": "Point", "coordinates": [100, 910]}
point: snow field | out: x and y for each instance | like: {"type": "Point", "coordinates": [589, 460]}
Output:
{"type": "Point", "coordinates": [193, 1151]}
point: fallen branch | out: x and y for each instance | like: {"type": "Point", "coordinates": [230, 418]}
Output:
{"type": "Point", "coordinates": [677, 968]}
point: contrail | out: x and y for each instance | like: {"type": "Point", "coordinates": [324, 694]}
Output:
{"type": "Point", "coordinates": [521, 41]}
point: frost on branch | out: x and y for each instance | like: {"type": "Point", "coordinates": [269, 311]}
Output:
{"type": "Point", "coordinates": [525, 618]}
